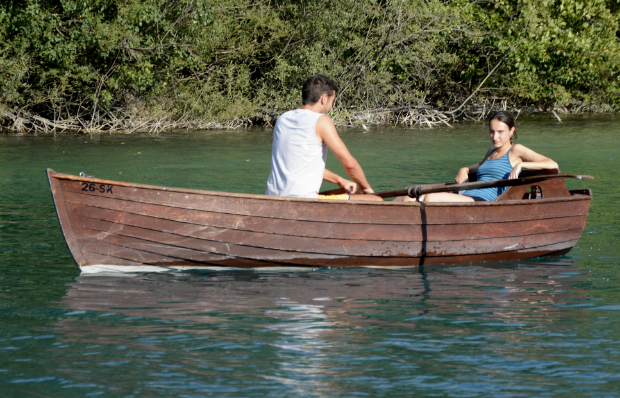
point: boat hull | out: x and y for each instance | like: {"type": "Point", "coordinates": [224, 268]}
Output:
{"type": "Point", "coordinates": [117, 225]}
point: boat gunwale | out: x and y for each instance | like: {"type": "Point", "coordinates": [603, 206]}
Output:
{"type": "Point", "coordinates": [60, 176]}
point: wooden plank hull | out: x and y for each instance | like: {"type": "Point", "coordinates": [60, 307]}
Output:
{"type": "Point", "coordinates": [116, 225]}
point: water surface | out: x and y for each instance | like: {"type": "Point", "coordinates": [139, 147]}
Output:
{"type": "Point", "coordinates": [530, 328]}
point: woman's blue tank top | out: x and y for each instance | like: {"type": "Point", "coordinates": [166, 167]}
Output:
{"type": "Point", "coordinates": [491, 169]}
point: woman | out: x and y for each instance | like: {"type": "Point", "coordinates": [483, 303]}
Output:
{"type": "Point", "coordinates": [503, 160]}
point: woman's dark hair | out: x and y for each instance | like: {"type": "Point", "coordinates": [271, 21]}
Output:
{"type": "Point", "coordinates": [315, 86]}
{"type": "Point", "coordinates": [506, 118]}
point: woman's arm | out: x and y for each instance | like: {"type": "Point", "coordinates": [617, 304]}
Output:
{"type": "Point", "coordinates": [463, 174]}
{"type": "Point", "coordinates": [528, 159]}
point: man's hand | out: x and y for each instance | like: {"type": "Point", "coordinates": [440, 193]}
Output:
{"type": "Point", "coordinates": [347, 185]}
{"type": "Point", "coordinates": [364, 191]}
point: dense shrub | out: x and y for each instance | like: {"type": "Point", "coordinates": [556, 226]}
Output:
{"type": "Point", "coordinates": [101, 60]}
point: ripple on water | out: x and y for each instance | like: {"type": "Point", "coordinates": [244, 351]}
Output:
{"type": "Point", "coordinates": [537, 328]}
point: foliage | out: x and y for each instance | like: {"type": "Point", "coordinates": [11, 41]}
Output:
{"type": "Point", "coordinates": [553, 51]}
{"type": "Point", "coordinates": [98, 60]}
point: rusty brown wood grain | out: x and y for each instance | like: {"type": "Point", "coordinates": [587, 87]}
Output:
{"type": "Point", "coordinates": [132, 224]}
{"type": "Point", "coordinates": [283, 249]}
{"type": "Point", "coordinates": [194, 225]}
{"type": "Point", "coordinates": [266, 206]}
{"type": "Point", "coordinates": [250, 223]}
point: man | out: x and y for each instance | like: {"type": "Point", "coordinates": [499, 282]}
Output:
{"type": "Point", "coordinates": [301, 138]}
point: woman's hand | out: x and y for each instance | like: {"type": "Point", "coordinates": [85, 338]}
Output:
{"type": "Point", "coordinates": [515, 171]}
{"type": "Point", "coordinates": [462, 176]}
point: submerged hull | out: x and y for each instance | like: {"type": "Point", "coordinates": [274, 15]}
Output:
{"type": "Point", "coordinates": [117, 225]}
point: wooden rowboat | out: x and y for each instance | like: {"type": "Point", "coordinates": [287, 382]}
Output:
{"type": "Point", "coordinates": [111, 225]}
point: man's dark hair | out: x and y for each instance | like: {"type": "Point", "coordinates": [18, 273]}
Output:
{"type": "Point", "coordinates": [315, 86]}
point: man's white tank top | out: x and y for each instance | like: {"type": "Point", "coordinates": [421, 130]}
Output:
{"type": "Point", "coordinates": [297, 156]}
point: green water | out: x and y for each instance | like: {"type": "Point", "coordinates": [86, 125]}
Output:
{"type": "Point", "coordinates": [533, 328]}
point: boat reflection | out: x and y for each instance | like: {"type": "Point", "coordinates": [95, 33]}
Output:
{"type": "Point", "coordinates": [304, 317]}
{"type": "Point", "coordinates": [329, 297]}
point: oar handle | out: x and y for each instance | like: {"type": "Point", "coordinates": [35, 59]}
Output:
{"type": "Point", "coordinates": [415, 191]}
{"type": "Point", "coordinates": [337, 191]}
{"type": "Point", "coordinates": [386, 194]}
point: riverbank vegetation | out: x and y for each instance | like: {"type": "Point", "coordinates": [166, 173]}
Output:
{"type": "Point", "coordinates": [150, 65]}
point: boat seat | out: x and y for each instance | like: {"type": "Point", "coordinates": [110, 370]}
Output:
{"type": "Point", "coordinates": [537, 190]}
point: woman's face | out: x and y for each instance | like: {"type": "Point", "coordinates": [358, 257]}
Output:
{"type": "Point", "coordinates": [500, 133]}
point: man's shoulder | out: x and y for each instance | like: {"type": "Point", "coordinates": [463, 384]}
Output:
{"type": "Point", "coordinates": [290, 113]}
{"type": "Point", "coordinates": [299, 116]}
{"type": "Point", "coordinates": [324, 122]}
{"type": "Point", "coordinates": [300, 112]}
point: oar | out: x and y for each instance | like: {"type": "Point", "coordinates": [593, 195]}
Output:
{"type": "Point", "coordinates": [415, 191]}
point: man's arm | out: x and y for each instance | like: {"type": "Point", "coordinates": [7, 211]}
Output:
{"type": "Point", "coordinates": [345, 184]}
{"type": "Point", "coordinates": [326, 132]}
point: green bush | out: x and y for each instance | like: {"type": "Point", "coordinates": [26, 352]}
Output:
{"type": "Point", "coordinates": [101, 60]}
{"type": "Point", "coordinates": [556, 51]}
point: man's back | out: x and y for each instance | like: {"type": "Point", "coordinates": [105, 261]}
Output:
{"type": "Point", "coordinates": [297, 157]}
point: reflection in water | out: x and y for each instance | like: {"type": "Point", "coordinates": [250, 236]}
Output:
{"type": "Point", "coordinates": [317, 333]}
{"type": "Point", "coordinates": [309, 303]}
{"type": "Point", "coordinates": [301, 329]}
